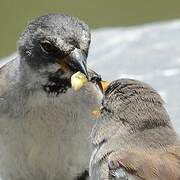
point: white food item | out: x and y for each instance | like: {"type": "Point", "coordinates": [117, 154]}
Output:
{"type": "Point", "coordinates": [78, 80]}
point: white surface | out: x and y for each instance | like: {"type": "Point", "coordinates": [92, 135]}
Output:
{"type": "Point", "coordinates": [150, 53]}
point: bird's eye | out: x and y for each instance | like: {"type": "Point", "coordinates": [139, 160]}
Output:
{"type": "Point", "coordinates": [48, 47]}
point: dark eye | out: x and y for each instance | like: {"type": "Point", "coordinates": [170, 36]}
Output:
{"type": "Point", "coordinates": [48, 47]}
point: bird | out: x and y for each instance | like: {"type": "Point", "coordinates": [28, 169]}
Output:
{"type": "Point", "coordinates": [44, 124]}
{"type": "Point", "coordinates": [160, 164]}
{"type": "Point", "coordinates": [132, 116]}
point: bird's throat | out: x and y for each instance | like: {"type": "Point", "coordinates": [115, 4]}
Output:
{"type": "Point", "coordinates": [57, 83]}
{"type": "Point", "coordinates": [57, 86]}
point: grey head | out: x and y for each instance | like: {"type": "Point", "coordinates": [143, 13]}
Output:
{"type": "Point", "coordinates": [55, 45]}
{"type": "Point", "coordinates": [135, 104]}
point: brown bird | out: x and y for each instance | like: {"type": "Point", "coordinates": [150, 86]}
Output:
{"type": "Point", "coordinates": [156, 164]}
{"type": "Point", "coordinates": [132, 116]}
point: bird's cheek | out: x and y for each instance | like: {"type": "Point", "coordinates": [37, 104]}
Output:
{"type": "Point", "coordinates": [63, 64]}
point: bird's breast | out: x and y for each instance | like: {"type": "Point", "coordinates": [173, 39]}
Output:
{"type": "Point", "coordinates": [49, 141]}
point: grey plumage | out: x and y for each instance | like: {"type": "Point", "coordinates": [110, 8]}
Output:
{"type": "Point", "coordinates": [44, 124]}
{"type": "Point", "coordinates": [132, 116]}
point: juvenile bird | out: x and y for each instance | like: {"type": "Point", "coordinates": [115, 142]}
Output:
{"type": "Point", "coordinates": [132, 116]}
{"type": "Point", "coordinates": [44, 123]}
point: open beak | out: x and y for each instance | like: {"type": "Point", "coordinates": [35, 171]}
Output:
{"type": "Point", "coordinates": [103, 85]}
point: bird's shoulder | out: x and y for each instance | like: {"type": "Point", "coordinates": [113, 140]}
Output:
{"type": "Point", "coordinates": [8, 73]}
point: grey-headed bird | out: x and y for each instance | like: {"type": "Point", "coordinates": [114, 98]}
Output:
{"type": "Point", "coordinates": [132, 116]}
{"type": "Point", "coordinates": [44, 123]}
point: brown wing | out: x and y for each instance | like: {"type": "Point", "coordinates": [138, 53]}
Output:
{"type": "Point", "coordinates": [162, 164]}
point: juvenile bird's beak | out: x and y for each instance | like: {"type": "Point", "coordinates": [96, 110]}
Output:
{"type": "Point", "coordinates": [103, 85]}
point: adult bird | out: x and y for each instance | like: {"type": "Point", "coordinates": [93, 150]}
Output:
{"type": "Point", "coordinates": [44, 123]}
{"type": "Point", "coordinates": [132, 117]}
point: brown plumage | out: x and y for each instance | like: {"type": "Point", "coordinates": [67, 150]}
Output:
{"type": "Point", "coordinates": [132, 116]}
{"type": "Point", "coordinates": [154, 164]}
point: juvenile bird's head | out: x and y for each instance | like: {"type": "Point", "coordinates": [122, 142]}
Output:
{"type": "Point", "coordinates": [55, 45]}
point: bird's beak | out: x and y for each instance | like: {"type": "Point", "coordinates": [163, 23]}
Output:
{"type": "Point", "coordinates": [75, 61]}
{"type": "Point", "coordinates": [103, 85]}
{"type": "Point", "coordinates": [96, 78]}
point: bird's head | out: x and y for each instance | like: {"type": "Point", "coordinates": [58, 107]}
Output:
{"type": "Point", "coordinates": [55, 43]}
{"type": "Point", "coordinates": [135, 103]}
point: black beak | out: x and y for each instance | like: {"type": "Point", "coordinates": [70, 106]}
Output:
{"type": "Point", "coordinates": [77, 61]}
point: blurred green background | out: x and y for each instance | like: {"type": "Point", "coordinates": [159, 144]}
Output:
{"type": "Point", "coordinates": [14, 14]}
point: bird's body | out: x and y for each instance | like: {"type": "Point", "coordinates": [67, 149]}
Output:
{"type": "Point", "coordinates": [44, 124]}
{"type": "Point", "coordinates": [132, 116]}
